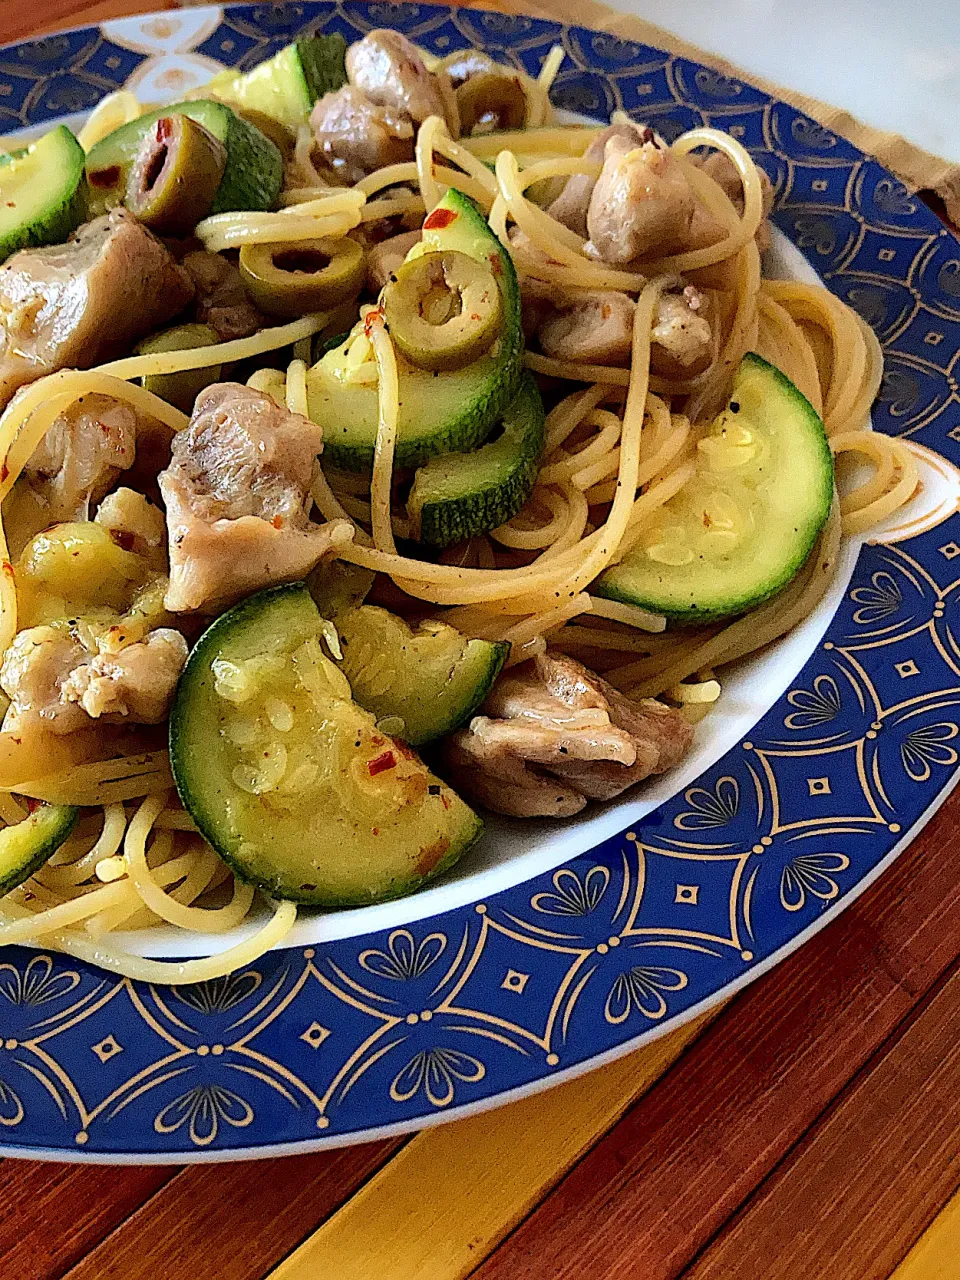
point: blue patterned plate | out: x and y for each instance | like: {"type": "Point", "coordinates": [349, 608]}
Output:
{"type": "Point", "coordinates": [551, 953]}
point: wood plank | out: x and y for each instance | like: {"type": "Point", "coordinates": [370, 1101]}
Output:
{"type": "Point", "coordinates": [53, 1214]}
{"type": "Point", "coordinates": [935, 1255]}
{"type": "Point", "coordinates": [855, 1195]}
{"type": "Point", "coordinates": [233, 1221]}
{"type": "Point", "coordinates": [453, 1192]}
{"type": "Point", "coordinates": [682, 1160]}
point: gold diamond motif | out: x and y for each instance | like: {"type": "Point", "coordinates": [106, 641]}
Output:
{"type": "Point", "coordinates": [687, 893]}
{"type": "Point", "coordinates": [315, 1035]}
{"type": "Point", "coordinates": [906, 669]}
{"type": "Point", "coordinates": [818, 786]}
{"type": "Point", "coordinates": [949, 550]}
{"type": "Point", "coordinates": [107, 1049]}
{"type": "Point", "coordinates": [515, 981]}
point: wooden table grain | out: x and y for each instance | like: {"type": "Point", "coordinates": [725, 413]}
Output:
{"type": "Point", "coordinates": [811, 1131]}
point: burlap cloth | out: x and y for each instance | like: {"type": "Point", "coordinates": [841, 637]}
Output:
{"type": "Point", "coordinates": [916, 168]}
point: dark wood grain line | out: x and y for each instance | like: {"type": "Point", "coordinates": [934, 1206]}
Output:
{"type": "Point", "coordinates": [656, 1190]}
{"type": "Point", "coordinates": [851, 1200]}
{"type": "Point", "coordinates": [54, 1214]}
{"type": "Point", "coordinates": [230, 1221]}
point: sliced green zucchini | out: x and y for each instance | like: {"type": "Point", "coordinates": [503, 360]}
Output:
{"type": "Point", "coordinates": [461, 494]}
{"type": "Point", "coordinates": [431, 679]}
{"type": "Point", "coordinates": [251, 179]}
{"type": "Point", "coordinates": [286, 86]}
{"type": "Point", "coordinates": [42, 192]}
{"type": "Point", "coordinates": [744, 524]}
{"type": "Point", "coordinates": [25, 846]}
{"type": "Point", "coordinates": [291, 782]}
{"type": "Point", "coordinates": [439, 411]}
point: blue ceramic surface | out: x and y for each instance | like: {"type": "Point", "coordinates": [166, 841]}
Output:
{"type": "Point", "coordinates": [343, 1041]}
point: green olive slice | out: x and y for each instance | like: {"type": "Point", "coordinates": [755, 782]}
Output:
{"type": "Point", "coordinates": [442, 309]}
{"type": "Point", "coordinates": [175, 176]}
{"type": "Point", "coordinates": [289, 280]}
{"type": "Point", "coordinates": [490, 101]}
{"type": "Point", "coordinates": [180, 389]}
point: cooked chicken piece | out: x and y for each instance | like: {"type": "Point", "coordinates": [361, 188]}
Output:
{"type": "Point", "coordinates": [384, 258]}
{"type": "Point", "coordinates": [592, 326]}
{"type": "Point", "coordinates": [54, 681]}
{"type": "Point", "coordinates": [389, 71]}
{"type": "Point", "coordinates": [471, 62]}
{"type": "Point", "coordinates": [79, 303]}
{"type": "Point", "coordinates": [137, 683]}
{"type": "Point", "coordinates": [642, 204]}
{"type": "Point", "coordinates": [220, 299]}
{"type": "Point", "coordinates": [724, 173]}
{"type": "Point", "coordinates": [32, 675]}
{"type": "Point", "coordinates": [237, 494]}
{"type": "Point", "coordinates": [81, 456]}
{"type": "Point", "coordinates": [681, 341]}
{"type": "Point", "coordinates": [355, 136]}
{"type": "Point", "coordinates": [554, 735]}
{"type": "Point", "coordinates": [135, 523]}
{"type": "Point", "coordinates": [570, 207]}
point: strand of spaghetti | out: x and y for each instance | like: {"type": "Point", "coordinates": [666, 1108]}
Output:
{"type": "Point", "coordinates": [388, 412]}
{"type": "Point", "coordinates": [389, 176]}
{"type": "Point", "coordinates": [521, 536]}
{"type": "Point", "coordinates": [571, 140]}
{"type": "Point", "coordinates": [175, 820]}
{"type": "Point", "coordinates": [220, 353]}
{"type": "Point", "coordinates": [781, 341]}
{"type": "Point", "coordinates": [591, 637]}
{"type": "Point", "coordinates": [565, 417]}
{"type": "Point", "coordinates": [884, 459]}
{"type": "Point", "coordinates": [429, 187]}
{"type": "Point", "coordinates": [200, 876]}
{"type": "Point", "coordinates": [295, 392]}
{"type": "Point", "coordinates": [336, 205]}
{"type": "Point", "coordinates": [542, 624]}
{"type": "Point", "coordinates": [872, 513]}
{"type": "Point", "coordinates": [105, 846]}
{"type": "Point", "coordinates": [31, 927]}
{"type": "Point", "coordinates": [180, 972]}
{"type": "Point", "coordinates": [392, 207]}
{"type": "Point", "coordinates": [631, 614]}
{"type": "Point", "coordinates": [708, 398]}
{"type": "Point", "coordinates": [574, 371]}
{"type": "Point", "coordinates": [204, 920]}
{"type": "Point", "coordinates": [459, 155]}
{"type": "Point", "coordinates": [286, 227]}
{"type": "Point", "coordinates": [103, 782]}
{"type": "Point", "coordinates": [567, 463]}
{"type": "Point", "coordinates": [172, 871]}
{"type": "Point", "coordinates": [271, 381]}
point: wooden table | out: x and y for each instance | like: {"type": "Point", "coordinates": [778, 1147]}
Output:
{"type": "Point", "coordinates": [811, 1131]}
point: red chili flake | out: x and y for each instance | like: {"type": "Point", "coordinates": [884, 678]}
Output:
{"type": "Point", "coordinates": [11, 204]}
{"type": "Point", "coordinates": [4, 472]}
{"type": "Point", "coordinates": [123, 538]}
{"type": "Point", "coordinates": [164, 128]}
{"type": "Point", "coordinates": [376, 831]}
{"type": "Point", "coordinates": [496, 266]}
{"type": "Point", "coordinates": [438, 219]}
{"type": "Point", "coordinates": [8, 568]}
{"type": "Point", "coordinates": [381, 763]}
{"type": "Point", "coordinates": [277, 522]}
{"type": "Point", "coordinates": [377, 740]}
{"type": "Point", "coordinates": [32, 804]}
{"type": "Point", "coordinates": [105, 177]}
{"type": "Point", "coordinates": [445, 801]}
{"type": "Point", "coordinates": [403, 749]}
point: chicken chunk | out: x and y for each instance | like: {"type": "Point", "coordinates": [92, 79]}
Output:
{"type": "Point", "coordinates": [81, 456]}
{"type": "Point", "coordinates": [384, 258]}
{"type": "Point", "coordinates": [642, 204]}
{"type": "Point", "coordinates": [55, 682]}
{"type": "Point", "coordinates": [220, 299]}
{"type": "Point", "coordinates": [132, 519]}
{"type": "Point", "coordinates": [137, 683]}
{"type": "Point", "coordinates": [79, 303]}
{"type": "Point", "coordinates": [237, 494]}
{"type": "Point", "coordinates": [571, 205]}
{"type": "Point", "coordinates": [388, 70]}
{"type": "Point", "coordinates": [554, 735]}
{"type": "Point", "coordinates": [681, 340]}
{"type": "Point", "coordinates": [592, 326]}
{"type": "Point", "coordinates": [356, 136]}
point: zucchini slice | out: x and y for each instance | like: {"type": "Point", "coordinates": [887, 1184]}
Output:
{"type": "Point", "coordinates": [42, 192]}
{"type": "Point", "coordinates": [26, 846]}
{"type": "Point", "coordinates": [251, 179]}
{"type": "Point", "coordinates": [744, 524]}
{"type": "Point", "coordinates": [461, 494]}
{"type": "Point", "coordinates": [433, 678]}
{"type": "Point", "coordinates": [286, 86]}
{"type": "Point", "coordinates": [439, 412]}
{"type": "Point", "coordinates": [289, 780]}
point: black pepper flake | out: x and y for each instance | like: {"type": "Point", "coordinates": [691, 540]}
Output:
{"type": "Point", "coordinates": [564, 751]}
{"type": "Point", "coordinates": [734, 406]}
{"type": "Point", "coordinates": [433, 789]}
